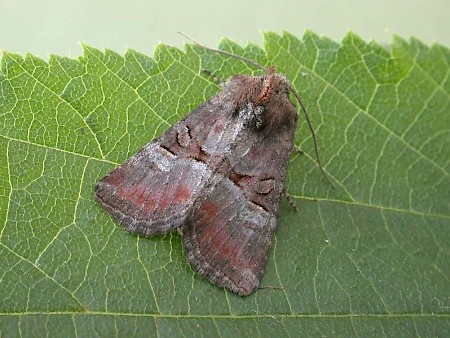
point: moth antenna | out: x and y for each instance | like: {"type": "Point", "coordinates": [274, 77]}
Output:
{"type": "Point", "coordinates": [313, 134]}
{"type": "Point", "coordinates": [254, 63]}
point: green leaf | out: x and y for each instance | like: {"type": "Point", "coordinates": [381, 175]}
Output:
{"type": "Point", "coordinates": [370, 257]}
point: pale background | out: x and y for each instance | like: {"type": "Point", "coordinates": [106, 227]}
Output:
{"type": "Point", "coordinates": [57, 26]}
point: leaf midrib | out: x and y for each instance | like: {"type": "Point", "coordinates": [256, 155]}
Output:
{"type": "Point", "coordinates": [411, 315]}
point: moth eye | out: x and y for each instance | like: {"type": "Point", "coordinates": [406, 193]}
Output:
{"type": "Point", "coordinates": [265, 186]}
{"type": "Point", "coordinates": [184, 136]}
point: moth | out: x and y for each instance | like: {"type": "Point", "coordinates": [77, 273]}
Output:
{"type": "Point", "coordinates": [216, 176]}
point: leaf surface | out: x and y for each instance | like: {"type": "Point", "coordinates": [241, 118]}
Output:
{"type": "Point", "coordinates": [370, 257]}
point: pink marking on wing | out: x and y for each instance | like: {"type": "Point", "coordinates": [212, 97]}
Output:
{"type": "Point", "coordinates": [215, 245]}
{"type": "Point", "coordinates": [150, 204]}
{"type": "Point", "coordinates": [226, 250]}
{"type": "Point", "coordinates": [139, 195]}
{"type": "Point", "coordinates": [225, 247]}
{"type": "Point", "coordinates": [215, 237]}
{"type": "Point", "coordinates": [182, 194]}
{"type": "Point", "coordinates": [208, 214]}
{"type": "Point", "coordinates": [116, 177]}
{"type": "Point", "coordinates": [123, 192]}
{"type": "Point", "coordinates": [232, 250]}
{"type": "Point", "coordinates": [166, 200]}
{"type": "Point", "coordinates": [178, 194]}
{"type": "Point", "coordinates": [218, 128]}
{"type": "Point", "coordinates": [218, 242]}
{"type": "Point", "coordinates": [209, 223]}
{"type": "Point", "coordinates": [208, 210]}
{"type": "Point", "coordinates": [136, 195]}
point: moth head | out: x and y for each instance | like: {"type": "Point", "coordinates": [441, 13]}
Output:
{"type": "Point", "coordinates": [273, 98]}
{"type": "Point", "coordinates": [261, 101]}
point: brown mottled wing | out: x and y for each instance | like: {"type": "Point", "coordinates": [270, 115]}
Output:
{"type": "Point", "coordinates": [229, 232]}
{"type": "Point", "coordinates": [155, 189]}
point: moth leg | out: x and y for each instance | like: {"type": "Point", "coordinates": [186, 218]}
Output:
{"type": "Point", "coordinates": [297, 151]}
{"type": "Point", "coordinates": [213, 77]}
{"type": "Point", "coordinates": [290, 200]}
